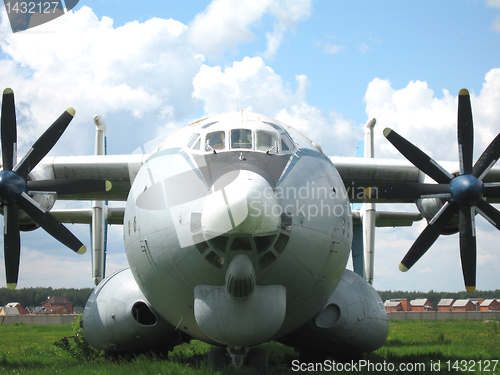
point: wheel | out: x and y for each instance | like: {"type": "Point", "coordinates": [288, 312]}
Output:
{"type": "Point", "coordinates": [258, 360]}
{"type": "Point", "coordinates": [217, 358]}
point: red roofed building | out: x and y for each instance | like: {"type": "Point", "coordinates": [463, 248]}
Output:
{"type": "Point", "coordinates": [57, 305]}
{"type": "Point", "coordinates": [421, 304]}
{"type": "Point", "coordinates": [12, 308]}
{"type": "Point", "coordinates": [397, 304]}
{"type": "Point", "coordinates": [445, 304]}
{"type": "Point", "coordinates": [490, 305]}
{"type": "Point", "coordinates": [463, 305]}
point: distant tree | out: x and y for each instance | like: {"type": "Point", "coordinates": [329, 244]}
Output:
{"type": "Point", "coordinates": [35, 296]}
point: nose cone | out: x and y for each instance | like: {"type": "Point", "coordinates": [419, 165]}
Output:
{"type": "Point", "coordinates": [241, 202]}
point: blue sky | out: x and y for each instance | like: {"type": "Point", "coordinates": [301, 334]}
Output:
{"type": "Point", "coordinates": [343, 45]}
{"type": "Point", "coordinates": [325, 67]}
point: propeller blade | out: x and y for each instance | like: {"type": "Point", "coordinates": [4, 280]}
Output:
{"type": "Point", "coordinates": [487, 159]}
{"type": "Point", "coordinates": [8, 130]}
{"type": "Point", "coordinates": [410, 190]}
{"type": "Point", "coordinates": [465, 132]}
{"type": "Point", "coordinates": [12, 244]}
{"type": "Point", "coordinates": [468, 251]}
{"type": "Point", "coordinates": [44, 144]}
{"type": "Point", "coordinates": [491, 190]}
{"type": "Point", "coordinates": [489, 212]}
{"type": "Point", "coordinates": [70, 186]}
{"type": "Point", "coordinates": [50, 223]}
{"type": "Point", "coordinates": [428, 236]}
{"type": "Point", "coordinates": [418, 158]}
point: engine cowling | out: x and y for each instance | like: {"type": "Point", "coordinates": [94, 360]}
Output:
{"type": "Point", "coordinates": [429, 207]}
{"type": "Point", "coordinates": [353, 321]}
{"type": "Point", "coordinates": [118, 318]}
{"type": "Point", "coordinates": [45, 200]}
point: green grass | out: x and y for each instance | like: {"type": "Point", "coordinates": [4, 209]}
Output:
{"type": "Point", "coordinates": [28, 349]}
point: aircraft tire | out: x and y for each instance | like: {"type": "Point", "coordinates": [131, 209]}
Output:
{"type": "Point", "coordinates": [258, 360]}
{"type": "Point", "coordinates": [217, 358]}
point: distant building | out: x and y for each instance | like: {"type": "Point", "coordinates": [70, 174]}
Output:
{"type": "Point", "coordinates": [12, 308]}
{"type": "Point", "coordinates": [477, 302]}
{"type": "Point", "coordinates": [397, 304]}
{"type": "Point", "coordinates": [57, 305]}
{"type": "Point", "coordinates": [421, 304]}
{"type": "Point", "coordinates": [463, 305]}
{"type": "Point", "coordinates": [445, 304]}
{"type": "Point", "coordinates": [490, 305]}
{"type": "Point", "coordinates": [33, 309]}
{"type": "Point", "coordinates": [393, 306]}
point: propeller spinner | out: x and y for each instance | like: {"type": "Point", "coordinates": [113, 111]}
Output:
{"type": "Point", "coordinates": [463, 193]}
{"type": "Point", "coordinates": [14, 186]}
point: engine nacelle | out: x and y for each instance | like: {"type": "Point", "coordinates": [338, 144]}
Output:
{"type": "Point", "coordinates": [353, 321]}
{"type": "Point", "coordinates": [429, 207]}
{"type": "Point", "coordinates": [118, 318]}
{"type": "Point", "coordinates": [45, 200]}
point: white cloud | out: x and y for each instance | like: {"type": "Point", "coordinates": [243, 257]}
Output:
{"type": "Point", "coordinates": [328, 48]}
{"type": "Point", "coordinates": [254, 86]}
{"type": "Point", "coordinates": [135, 70]}
{"type": "Point", "coordinates": [495, 25]}
{"type": "Point", "coordinates": [250, 84]}
{"type": "Point", "coordinates": [139, 71]}
{"type": "Point", "coordinates": [416, 114]}
{"type": "Point", "coordinates": [363, 48]}
{"type": "Point", "coordinates": [431, 122]}
{"type": "Point", "coordinates": [225, 24]}
{"type": "Point", "coordinates": [493, 3]}
{"type": "Point", "coordinates": [287, 13]}
{"type": "Point", "coordinates": [274, 40]}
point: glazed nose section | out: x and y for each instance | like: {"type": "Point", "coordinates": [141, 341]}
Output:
{"type": "Point", "coordinates": [241, 202]}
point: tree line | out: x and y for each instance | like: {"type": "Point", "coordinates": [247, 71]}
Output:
{"type": "Point", "coordinates": [35, 296]}
{"type": "Point", "coordinates": [435, 297]}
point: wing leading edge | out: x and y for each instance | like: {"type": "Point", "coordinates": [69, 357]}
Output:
{"type": "Point", "coordinates": [120, 170]}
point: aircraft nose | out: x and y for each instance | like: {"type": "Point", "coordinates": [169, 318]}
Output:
{"type": "Point", "coordinates": [241, 202]}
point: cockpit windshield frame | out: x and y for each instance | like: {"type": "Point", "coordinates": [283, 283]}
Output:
{"type": "Point", "coordinates": [269, 138]}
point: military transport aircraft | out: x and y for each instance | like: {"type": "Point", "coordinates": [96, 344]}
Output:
{"type": "Point", "coordinates": [238, 229]}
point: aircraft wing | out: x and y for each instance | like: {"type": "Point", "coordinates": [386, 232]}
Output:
{"type": "Point", "coordinates": [120, 170]}
{"type": "Point", "coordinates": [361, 173]}
{"type": "Point", "coordinates": [84, 215]}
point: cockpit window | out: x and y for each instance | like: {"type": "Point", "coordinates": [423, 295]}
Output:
{"type": "Point", "coordinates": [197, 145]}
{"type": "Point", "coordinates": [266, 140]}
{"type": "Point", "coordinates": [277, 127]}
{"type": "Point", "coordinates": [209, 124]}
{"type": "Point", "coordinates": [284, 147]}
{"type": "Point", "coordinates": [241, 138]}
{"type": "Point", "coordinates": [216, 141]}
{"type": "Point", "coordinates": [193, 138]}
{"type": "Point", "coordinates": [286, 142]}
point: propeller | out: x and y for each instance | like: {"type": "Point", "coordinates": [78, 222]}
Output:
{"type": "Point", "coordinates": [463, 193]}
{"type": "Point", "coordinates": [14, 186]}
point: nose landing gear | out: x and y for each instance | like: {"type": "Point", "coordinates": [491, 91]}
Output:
{"type": "Point", "coordinates": [237, 356]}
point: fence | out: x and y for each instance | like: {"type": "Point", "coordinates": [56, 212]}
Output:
{"type": "Point", "coordinates": [443, 315]}
{"type": "Point", "coordinates": [38, 319]}
{"type": "Point", "coordinates": [410, 315]}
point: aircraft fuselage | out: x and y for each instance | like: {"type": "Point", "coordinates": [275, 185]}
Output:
{"type": "Point", "coordinates": [233, 212]}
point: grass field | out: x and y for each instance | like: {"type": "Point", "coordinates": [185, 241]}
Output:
{"type": "Point", "coordinates": [451, 347]}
